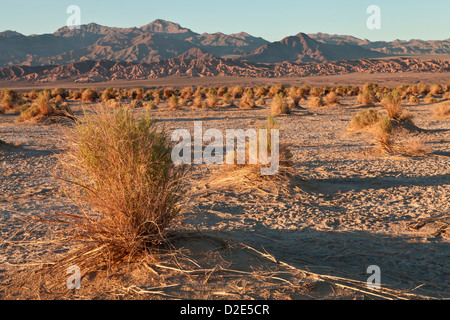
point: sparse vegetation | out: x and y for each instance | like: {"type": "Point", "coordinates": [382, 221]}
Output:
{"type": "Point", "coordinates": [43, 109]}
{"type": "Point", "coordinates": [246, 102]}
{"type": "Point", "coordinates": [279, 105]}
{"type": "Point", "coordinates": [89, 95]}
{"type": "Point", "coordinates": [316, 102]}
{"type": "Point", "coordinates": [366, 98]}
{"type": "Point", "coordinates": [331, 99]}
{"type": "Point", "coordinates": [365, 119]}
{"type": "Point", "coordinates": [392, 102]}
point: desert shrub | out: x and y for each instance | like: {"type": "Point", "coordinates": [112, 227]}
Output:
{"type": "Point", "coordinates": [246, 102]}
{"type": "Point", "coordinates": [275, 90]}
{"type": "Point", "coordinates": [211, 100]}
{"type": "Point", "coordinates": [237, 92]}
{"type": "Point", "coordinates": [413, 146]}
{"type": "Point", "coordinates": [9, 98]}
{"type": "Point", "coordinates": [89, 95]}
{"type": "Point", "coordinates": [331, 98]}
{"type": "Point", "coordinates": [76, 95]}
{"type": "Point", "coordinates": [366, 98]}
{"type": "Point", "coordinates": [316, 92]}
{"type": "Point", "coordinates": [365, 119]}
{"type": "Point", "coordinates": [60, 92]}
{"type": "Point", "coordinates": [42, 108]}
{"type": "Point", "coordinates": [315, 102]}
{"type": "Point", "coordinates": [414, 100]}
{"type": "Point", "coordinates": [392, 102]}
{"type": "Point", "coordinates": [187, 93]}
{"type": "Point", "coordinates": [33, 94]}
{"type": "Point", "coordinates": [423, 88]}
{"type": "Point", "coordinates": [113, 103]}
{"type": "Point", "coordinates": [120, 172]}
{"type": "Point", "coordinates": [382, 132]}
{"type": "Point", "coordinates": [221, 91]}
{"type": "Point", "coordinates": [108, 94]}
{"type": "Point", "coordinates": [279, 105]}
{"type": "Point", "coordinates": [59, 99]}
{"type": "Point", "coordinates": [198, 93]}
{"type": "Point", "coordinates": [430, 98]}
{"type": "Point", "coordinates": [261, 102]}
{"type": "Point", "coordinates": [436, 89]}
{"type": "Point", "coordinates": [134, 104]}
{"type": "Point", "coordinates": [442, 110]}
{"type": "Point", "coordinates": [168, 93]}
{"type": "Point", "coordinates": [261, 91]}
{"type": "Point", "coordinates": [228, 98]}
{"type": "Point", "coordinates": [174, 102]}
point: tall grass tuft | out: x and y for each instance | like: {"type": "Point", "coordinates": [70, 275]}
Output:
{"type": "Point", "coordinates": [120, 172]}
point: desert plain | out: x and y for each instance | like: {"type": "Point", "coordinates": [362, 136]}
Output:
{"type": "Point", "coordinates": [310, 235]}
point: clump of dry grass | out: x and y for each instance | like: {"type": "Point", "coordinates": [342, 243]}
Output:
{"type": "Point", "coordinates": [382, 132]}
{"type": "Point", "coordinates": [247, 102]}
{"type": "Point", "coordinates": [430, 98]}
{"type": "Point", "coordinates": [134, 104]}
{"type": "Point", "coordinates": [89, 95]}
{"type": "Point", "coordinates": [392, 102]}
{"type": "Point", "coordinates": [174, 102]}
{"type": "Point", "coordinates": [414, 100]}
{"type": "Point", "coordinates": [331, 98]}
{"type": "Point", "coordinates": [442, 110]}
{"type": "Point", "coordinates": [42, 109]}
{"type": "Point", "coordinates": [252, 170]}
{"type": "Point", "coordinates": [9, 99]}
{"type": "Point", "coordinates": [211, 100]}
{"type": "Point", "coordinates": [413, 146]}
{"type": "Point", "coordinates": [279, 105]}
{"type": "Point", "coordinates": [436, 89]}
{"type": "Point", "coordinates": [316, 102]}
{"type": "Point", "coordinates": [366, 98]}
{"type": "Point", "coordinates": [120, 173]}
{"type": "Point", "coordinates": [108, 94]}
{"type": "Point", "coordinates": [365, 119]}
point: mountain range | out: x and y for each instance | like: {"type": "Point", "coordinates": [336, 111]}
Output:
{"type": "Point", "coordinates": [161, 40]}
{"type": "Point", "coordinates": [161, 48]}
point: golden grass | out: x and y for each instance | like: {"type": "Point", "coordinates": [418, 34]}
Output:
{"type": "Point", "coordinates": [43, 109]}
{"type": "Point", "coordinates": [119, 171]}
{"type": "Point", "coordinates": [279, 105]}
{"type": "Point", "coordinates": [315, 102]}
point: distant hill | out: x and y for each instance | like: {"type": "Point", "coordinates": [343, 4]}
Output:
{"type": "Point", "coordinates": [195, 63]}
{"type": "Point", "coordinates": [302, 48]}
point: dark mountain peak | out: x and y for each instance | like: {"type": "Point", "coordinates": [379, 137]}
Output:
{"type": "Point", "coordinates": [10, 33]}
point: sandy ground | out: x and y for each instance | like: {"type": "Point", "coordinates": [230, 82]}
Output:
{"type": "Point", "coordinates": [350, 209]}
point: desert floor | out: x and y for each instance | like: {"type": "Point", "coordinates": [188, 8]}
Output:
{"type": "Point", "coordinates": [310, 238]}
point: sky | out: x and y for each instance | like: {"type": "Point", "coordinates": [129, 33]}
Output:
{"type": "Point", "coordinates": [272, 20]}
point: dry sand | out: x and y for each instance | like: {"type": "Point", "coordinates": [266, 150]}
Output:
{"type": "Point", "coordinates": [350, 209]}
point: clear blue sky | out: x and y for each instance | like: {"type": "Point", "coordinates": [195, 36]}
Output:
{"type": "Point", "coordinates": [272, 20]}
